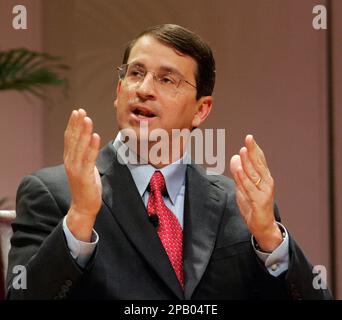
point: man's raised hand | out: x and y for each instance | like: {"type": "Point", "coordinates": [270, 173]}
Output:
{"type": "Point", "coordinates": [81, 147]}
{"type": "Point", "coordinates": [255, 194]}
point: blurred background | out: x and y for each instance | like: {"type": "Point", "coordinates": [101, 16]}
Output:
{"type": "Point", "coordinates": [277, 78]}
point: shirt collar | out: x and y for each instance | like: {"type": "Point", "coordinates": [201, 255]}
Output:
{"type": "Point", "coordinates": [174, 174]}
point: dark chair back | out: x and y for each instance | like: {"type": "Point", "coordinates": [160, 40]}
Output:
{"type": "Point", "coordinates": [6, 218]}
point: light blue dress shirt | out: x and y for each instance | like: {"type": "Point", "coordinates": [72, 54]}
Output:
{"type": "Point", "coordinates": [276, 262]}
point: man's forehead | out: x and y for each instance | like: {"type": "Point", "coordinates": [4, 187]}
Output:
{"type": "Point", "coordinates": [147, 43]}
{"type": "Point", "coordinates": [150, 51]}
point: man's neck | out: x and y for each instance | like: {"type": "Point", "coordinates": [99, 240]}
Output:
{"type": "Point", "coordinates": [154, 153]}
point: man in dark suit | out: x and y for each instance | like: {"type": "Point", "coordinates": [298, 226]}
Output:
{"type": "Point", "coordinates": [96, 228]}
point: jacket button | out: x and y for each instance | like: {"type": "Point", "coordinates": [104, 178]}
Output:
{"type": "Point", "coordinates": [274, 266]}
{"type": "Point", "coordinates": [65, 288]}
{"type": "Point", "coordinates": [68, 283]}
{"type": "Point", "coordinates": [61, 295]}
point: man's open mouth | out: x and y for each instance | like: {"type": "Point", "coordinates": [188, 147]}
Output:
{"type": "Point", "coordinates": [143, 112]}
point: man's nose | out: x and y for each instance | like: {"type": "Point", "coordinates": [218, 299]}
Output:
{"type": "Point", "coordinates": [146, 88]}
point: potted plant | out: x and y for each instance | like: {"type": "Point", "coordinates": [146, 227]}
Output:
{"type": "Point", "coordinates": [29, 71]}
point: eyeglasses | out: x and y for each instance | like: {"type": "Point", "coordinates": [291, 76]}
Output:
{"type": "Point", "coordinates": [164, 80]}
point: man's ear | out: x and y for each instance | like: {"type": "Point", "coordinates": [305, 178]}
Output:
{"type": "Point", "coordinates": [204, 106]}
{"type": "Point", "coordinates": [118, 89]}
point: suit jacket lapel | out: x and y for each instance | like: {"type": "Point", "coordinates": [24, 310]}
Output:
{"type": "Point", "coordinates": [123, 200]}
{"type": "Point", "coordinates": [204, 206]}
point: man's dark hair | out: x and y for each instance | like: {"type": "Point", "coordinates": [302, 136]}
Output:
{"type": "Point", "coordinates": [188, 43]}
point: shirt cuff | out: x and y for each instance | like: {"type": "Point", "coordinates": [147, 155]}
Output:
{"type": "Point", "coordinates": [81, 251]}
{"type": "Point", "coordinates": [277, 261]}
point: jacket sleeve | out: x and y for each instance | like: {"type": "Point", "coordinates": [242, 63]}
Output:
{"type": "Point", "coordinates": [38, 247]}
{"type": "Point", "coordinates": [300, 277]}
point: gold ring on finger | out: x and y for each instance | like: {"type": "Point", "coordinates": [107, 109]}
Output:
{"type": "Point", "coordinates": [257, 183]}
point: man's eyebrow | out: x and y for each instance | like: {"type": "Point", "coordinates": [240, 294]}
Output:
{"type": "Point", "coordinates": [137, 64]}
{"type": "Point", "coordinates": [161, 68]}
{"type": "Point", "coordinates": [171, 70]}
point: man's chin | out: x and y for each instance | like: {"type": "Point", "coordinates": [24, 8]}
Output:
{"type": "Point", "coordinates": [136, 133]}
{"type": "Point", "coordinates": [142, 130]}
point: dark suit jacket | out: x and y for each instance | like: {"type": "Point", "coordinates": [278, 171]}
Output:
{"type": "Point", "coordinates": [129, 261]}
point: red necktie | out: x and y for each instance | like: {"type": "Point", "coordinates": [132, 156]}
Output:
{"type": "Point", "coordinates": [169, 229]}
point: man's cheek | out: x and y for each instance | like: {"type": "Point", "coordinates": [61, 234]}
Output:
{"type": "Point", "coordinates": [125, 94]}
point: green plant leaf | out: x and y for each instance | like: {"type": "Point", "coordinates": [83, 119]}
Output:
{"type": "Point", "coordinates": [24, 70]}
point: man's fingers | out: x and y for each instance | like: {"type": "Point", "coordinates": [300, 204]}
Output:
{"type": "Point", "coordinates": [67, 133]}
{"type": "Point", "coordinates": [235, 163]}
{"type": "Point", "coordinates": [243, 202]}
{"type": "Point", "coordinates": [257, 158]}
{"type": "Point", "coordinates": [76, 131]}
{"type": "Point", "coordinates": [242, 198]}
{"type": "Point", "coordinates": [92, 153]}
{"type": "Point", "coordinates": [81, 149]}
{"type": "Point", "coordinates": [249, 187]}
{"type": "Point", "coordinates": [249, 168]}
{"type": "Point", "coordinates": [71, 121]}
{"type": "Point", "coordinates": [72, 133]}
